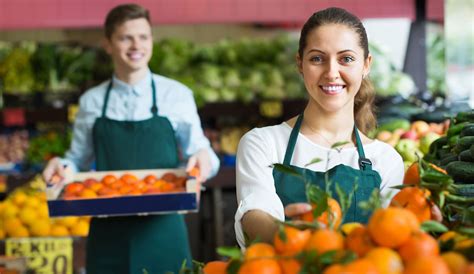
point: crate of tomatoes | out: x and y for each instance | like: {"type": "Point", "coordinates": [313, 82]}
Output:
{"type": "Point", "coordinates": [125, 192]}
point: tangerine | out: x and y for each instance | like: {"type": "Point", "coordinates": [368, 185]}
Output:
{"type": "Point", "coordinates": [258, 251]}
{"type": "Point", "coordinates": [416, 200]}
{"type": "Point", "coordinates": [324, 240]}
{"type": "Point", "coordinates": [291, 240]}
{"type": "Point", "coordinates": [359, 241]}
{"type": "Point", "coordinates": [419, 244]}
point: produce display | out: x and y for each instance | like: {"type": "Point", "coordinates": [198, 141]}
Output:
{"type": "Point", "coordinates": [399, 239]}
{"type": "Point", "coordinates": [47, 145]}
{"type": "Point", "coordinates": [24, 213]}
{"type": "Point", "coordinates": [13, 147]}
{"type": "Point", "coordinates": [127, 184]}
{"type": "Point", "coordinates": [411, 140]}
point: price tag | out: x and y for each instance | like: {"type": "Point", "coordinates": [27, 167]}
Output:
{"type": "Point", "coordinates": [72, 112]}
{"type": "Point", "coordinates": [14, 117]}
{"type": "Point", "coordinates": [271, 109]}
{"type": "Point", "coordinates": [44, 255]}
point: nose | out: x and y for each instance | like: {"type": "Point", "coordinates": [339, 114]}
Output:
{"type": "Point", "coordinates": [332, 70]}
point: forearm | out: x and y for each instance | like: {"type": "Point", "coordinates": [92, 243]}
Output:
{"type": "Point", "coordinates": [258, 224]}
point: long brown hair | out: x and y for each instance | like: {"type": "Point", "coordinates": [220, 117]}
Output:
{"type": "Point", "coordinates": [364, 100]}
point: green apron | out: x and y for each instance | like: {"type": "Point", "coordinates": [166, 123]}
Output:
{"type": "Point", "coordinates": [291, 189]}
{"type": "Point", "coordinates": [132, 244]}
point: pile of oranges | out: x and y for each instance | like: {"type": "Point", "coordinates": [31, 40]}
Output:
{"type": "Point", "coordinates": [24, 213]}
{"type": "Point", "coordinates": [127, 184]}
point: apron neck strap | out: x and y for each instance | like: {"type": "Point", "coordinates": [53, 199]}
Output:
{"type": "Point", "coordinates": [154, 108]}
{"type": "Point", "coordinates": [106, 100]}
{"type": "Point", "coordinates": [364, 163]}
{"type": "Point", "coordinates": [292, 142]}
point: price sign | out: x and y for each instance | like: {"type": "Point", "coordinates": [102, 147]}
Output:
{"type": "Point", "coordinates": [44, 255]}
{"type": "Point", "coordinates": [271, 109]}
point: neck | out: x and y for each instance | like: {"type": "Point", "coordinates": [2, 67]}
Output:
{"type": "Point", "coordinates": [334, 126]}
{"type": "Point", "coordinates": [131, 77]}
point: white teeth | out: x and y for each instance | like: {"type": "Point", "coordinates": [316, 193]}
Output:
{"type": "Point", "coordinates": [332, 88]}
{"type": "Point", "coordinates": [135, 56]}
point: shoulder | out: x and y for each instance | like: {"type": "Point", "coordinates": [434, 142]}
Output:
{"type": "Point", "coordinates": [170, 86]}
{"type": "Point", "coordinates": [268, 134]}
{"type": "Point", "coordinates": [94, 96]}
{"type": "Point", "coordinates": [384, 154]}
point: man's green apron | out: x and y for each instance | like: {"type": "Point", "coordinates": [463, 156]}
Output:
{"type": "Point", "coordinates": [291, 189]}
{"type": "Point", "coordinates": [135, 244]}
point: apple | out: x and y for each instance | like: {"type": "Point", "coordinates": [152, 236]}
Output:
{"type": "Point", "coordinates": [426, 141]}
{"type": "Point", "coordinates": [384, 135]}
{"type": "Point", "coordinates": [420, 127]}
{"type": "Point", "coordinates": [408, 150]}
{"type": "Point", "coordinates": [411, 134]}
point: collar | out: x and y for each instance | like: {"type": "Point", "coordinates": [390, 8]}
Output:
{"type": "Point", "coordinates": [138, 88]}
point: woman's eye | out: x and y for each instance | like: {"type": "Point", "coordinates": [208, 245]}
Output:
{"type": "Point", "coordinates": [317, 59]}
{"type": "Point", "coordinates": [347, 59]}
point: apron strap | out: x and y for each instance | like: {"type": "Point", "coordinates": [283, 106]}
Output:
{"type": "Point", "coordinates": [154, 107]}
{"type": "Point", "coordinates": [106, 100]}
{"type": "Point", "coordinates": [292, 142]}
{"type": "Point", "coordinates": [364, 163]}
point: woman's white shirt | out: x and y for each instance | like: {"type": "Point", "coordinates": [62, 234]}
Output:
{"type": "Point", "coordinates": [261, 147]}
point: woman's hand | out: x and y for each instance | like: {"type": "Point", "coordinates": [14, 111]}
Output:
{"type": "Point", "coordinates": [296, 210]}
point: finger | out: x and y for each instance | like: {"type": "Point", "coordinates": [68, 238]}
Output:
{"type": "Point", "coordinates": [191, 163]}
{"type": "Point", "coordinates": [436, 214]}
{"type": "Point", "coordinates": [296, 209]}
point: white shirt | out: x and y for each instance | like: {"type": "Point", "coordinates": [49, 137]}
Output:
{"type": "Point", "coordinates": [262, 147]}
{"type": "Point", "coordinates": [133, 103]}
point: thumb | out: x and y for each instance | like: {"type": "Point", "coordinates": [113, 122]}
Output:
{"type": "Point", "coordinates": [191, 163]}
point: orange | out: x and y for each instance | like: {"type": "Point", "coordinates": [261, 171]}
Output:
{"type": "Point", "coordinates": [261, 266]}
{"type": "Point", "coordinates": [324, 240]}
{"type": "Point", "coordinates": [333, 269]}
{"type": "Point", "coordinates": [215, 267]}
{"type": "Point", "coordinates": [194, 172]}
{"type": "Point", "coordinates": [419, 244]}
{"type": "Point", "coordinates": [416, 200]}
{"type": "Point", "coordinates": [74, 188]}
{"type": "Point", "coordinates": [333, 208]}
{"type": "Point", "coordinates": [117, 184]}
{"type": "Point", "coordinates": [412, 175]}
{"type": "Point", "coordinates": [385, 260]}
{"type": "Point", "coordinates": [391, 227]}
{"type": "Point", "coordinates": [291, 240]}
{"type": "Point", "coordinates": [359, 241]}
{"type": "Point", "coordinates": [87, 194]}
{"type": "Point", "coordinates": [169, 177]}
{"type": "Point", "coordinates": [109, 179]}
{"type": "Point", "coordinates": [167, 187]}
{"type": "Point", "coordinates": [129, 178]}
{"type": "Point", "coordinates": [456, 262]}
{"type": "Point", "coordinates": [108, 192]}
{"type": "Point", "coordinates": [360, 266]}
{"type": "Point", "coordinates": [259, 250]}
{"type": "Point", "coordinates": [125, 189]}
{"type": "Point", "coordinates": [59, 231]}
{"type": "Point", "coordinates": [290, 266]}
{"type": "Point", "coordinates": [150, 179]}
{"type": "Point", "coordinates": [427, 265]}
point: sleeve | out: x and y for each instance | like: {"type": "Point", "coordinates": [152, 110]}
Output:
{"type": "Point", "coordinates": [189, 132]}
{"type": "Point", "coordinates": [392, 175]}
{"type": "Point", "coordinates": [254, 181]}
{"type": "Point", "coordinates": [81, 152]}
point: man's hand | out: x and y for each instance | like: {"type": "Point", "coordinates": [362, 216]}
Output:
{"type": "Point", "coordinates": [54, 172]}
{"type": "Point", "coordinates": [202, 161]}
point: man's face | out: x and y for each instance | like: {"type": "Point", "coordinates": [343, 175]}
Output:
{"type": "Point", "coordinates": [131, 46]}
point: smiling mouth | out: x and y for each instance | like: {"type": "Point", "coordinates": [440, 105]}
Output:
{"type": "Point", "coordinates": [135, 56]}
{"type": "Point", "coordinates": [332, 89]}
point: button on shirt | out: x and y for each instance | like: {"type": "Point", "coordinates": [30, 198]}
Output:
{"type": "Point", "coordinates": [133, 103]}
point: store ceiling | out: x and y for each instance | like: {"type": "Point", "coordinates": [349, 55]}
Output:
{"type": "Point", "coordinates": [34, 14]}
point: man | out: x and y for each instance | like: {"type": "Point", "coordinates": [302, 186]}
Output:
{"type": "Point", "coordinates": [137, 120]}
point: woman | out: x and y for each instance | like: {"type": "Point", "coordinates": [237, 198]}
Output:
{"type": "Point", "coordinates": [334, 61]}
{"type": "Point", "coordinates": [136, 120]}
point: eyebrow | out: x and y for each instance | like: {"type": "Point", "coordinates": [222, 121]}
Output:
{"type": "Point", "coordinates": [339, 52]}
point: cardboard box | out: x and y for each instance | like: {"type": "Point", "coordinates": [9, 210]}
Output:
{"type": "Point", "coordinates": [161, 203]}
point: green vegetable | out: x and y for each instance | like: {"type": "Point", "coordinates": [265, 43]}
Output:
{"type": "Point", "coordinates": [468, 130]}
{"type": "Point", "coordinates": [461, 171]}
{"type": "Point", "coordinates": [395, 124]}
{"type": "Point", "coordinates": [466, 116]}
{"type": "Point", "coordinates": [466, 156]}
{"type": "Point", "coordinates": [455, 129]}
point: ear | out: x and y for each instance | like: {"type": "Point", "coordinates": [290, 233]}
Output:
{"type": "Point", "coordinates": [367, 65]}
{"type": "Point", "coordinates": [107, 45]}
{"type": "Point", "coordinates": [299, 63]}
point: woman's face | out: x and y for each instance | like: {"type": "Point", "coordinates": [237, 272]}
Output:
{"type": "Point", "coordinates": [333, 66]}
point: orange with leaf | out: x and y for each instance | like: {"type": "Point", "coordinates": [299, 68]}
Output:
{"type": "Point", "coordinates": [416, 200]}
{"type": "Point", "coordinates": [290, 241]}
{"type": "Point", "coordinates": [333, 214]}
